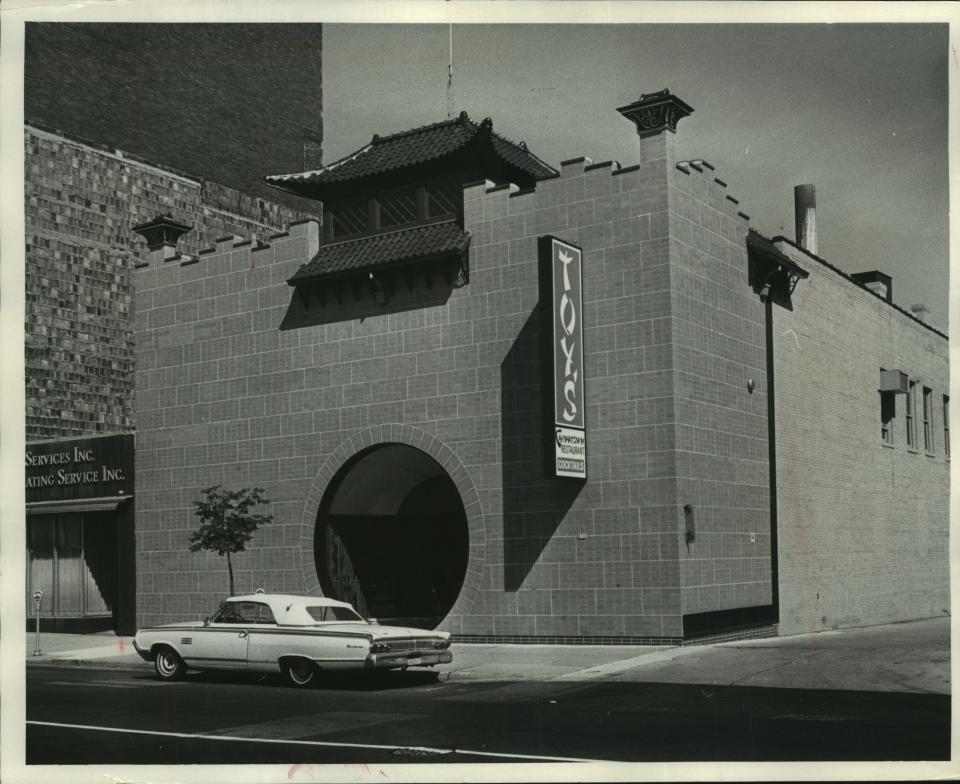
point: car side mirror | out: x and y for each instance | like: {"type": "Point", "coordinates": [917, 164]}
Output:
{"type": "Point", "coordinates": [373, 621]}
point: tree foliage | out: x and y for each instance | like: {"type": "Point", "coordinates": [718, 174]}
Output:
{"type": "Point", "coordinates": [227, 521]}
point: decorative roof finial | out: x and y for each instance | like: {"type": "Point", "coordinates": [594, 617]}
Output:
{"type": "Point", "coordinates": [162, 231]}
{"type": "Point", "coordinates": [656, 112]}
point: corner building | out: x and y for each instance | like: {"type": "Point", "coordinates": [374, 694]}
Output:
{"type": "Point", "coordinates": [382, 374]}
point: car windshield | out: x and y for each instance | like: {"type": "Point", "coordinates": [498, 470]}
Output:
{"type": "Point", "coordinates": [327, 613]}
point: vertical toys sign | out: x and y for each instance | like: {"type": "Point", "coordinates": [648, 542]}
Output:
{"type": "Point", "coordinates": [561, 309]}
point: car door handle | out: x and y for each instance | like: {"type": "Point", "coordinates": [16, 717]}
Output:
{"type": "Point", "coordinates": [242, 635]}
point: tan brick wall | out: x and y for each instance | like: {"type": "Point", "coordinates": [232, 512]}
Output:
{"type": "Point", "coordinates": [673, 333]}
{"type": "Point", "coordinates": [722, 447]}
{"type": "Point", "coordinates": [863, 527]}
{"type": "Point", "coordinates": [223, 396]}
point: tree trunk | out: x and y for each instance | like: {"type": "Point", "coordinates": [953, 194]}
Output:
{"type": "Point", "coordinates": [230, 568]}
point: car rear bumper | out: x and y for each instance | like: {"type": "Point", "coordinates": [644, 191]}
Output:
{"type": "Point", "coordinates": [393, 660]}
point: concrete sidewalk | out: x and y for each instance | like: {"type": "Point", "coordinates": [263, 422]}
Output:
{"type": "Point", "coordinates": [908, 657]}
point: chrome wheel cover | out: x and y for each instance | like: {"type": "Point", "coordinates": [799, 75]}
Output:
{"type": "Point", "coordinates": [301, 672]}
{"type": "Point", "coordinates": [167, 663]}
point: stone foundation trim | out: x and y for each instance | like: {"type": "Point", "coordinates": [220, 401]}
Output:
{"type": "Point", "coordinates": [554, 639]}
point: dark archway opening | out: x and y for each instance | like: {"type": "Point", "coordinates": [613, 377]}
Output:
{"type": "Point", "coordinates": [391, 537]}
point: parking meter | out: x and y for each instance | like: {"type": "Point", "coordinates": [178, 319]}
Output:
{"type": "Point", "coordinates": [37, 599]}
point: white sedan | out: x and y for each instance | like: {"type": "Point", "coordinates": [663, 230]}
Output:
{"type": "Point", "coordinates": [300, 636]}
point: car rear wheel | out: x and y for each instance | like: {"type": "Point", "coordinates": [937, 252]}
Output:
{"type": "Point", "coordinates": [168, 664]}
{"type": "Point", "coordinates": [301, 673]}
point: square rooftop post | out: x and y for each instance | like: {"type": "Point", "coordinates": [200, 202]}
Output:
{"type": "Point", "coordinates": [162, 234]}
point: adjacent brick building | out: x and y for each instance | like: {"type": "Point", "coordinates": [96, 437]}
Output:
{"type": "Point", "coordinates": [382, 375]}
{"type": "Point", "coordinates": [125, 86]}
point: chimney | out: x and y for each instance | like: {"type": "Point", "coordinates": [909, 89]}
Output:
{"type": "Point", "coordinates": [921, 311]}
{"type": "Point", "coordinates": [652, 114]}
{"type": "Point", "coordinates": [805, 217]}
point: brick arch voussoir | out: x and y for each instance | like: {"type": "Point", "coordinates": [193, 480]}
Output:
{"type": "Point", "coordinates": [445, 457]}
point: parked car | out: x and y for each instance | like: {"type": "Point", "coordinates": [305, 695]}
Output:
{"type": "Point", "coordinates": [301, 636]}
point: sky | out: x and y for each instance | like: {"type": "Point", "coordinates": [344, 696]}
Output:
{"type": "Point", "coordinates": [858, 110]}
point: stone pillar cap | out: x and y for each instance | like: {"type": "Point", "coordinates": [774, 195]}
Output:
{"type": "Point", "coordinates": [162, 231]}
{"type": "Point", "coordinates": [656, 112]}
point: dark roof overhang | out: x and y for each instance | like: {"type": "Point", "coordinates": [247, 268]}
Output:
{"type": "Point", "coordinates": [773, 274]}
{"type": "Point", "coordinates": [432, 242]}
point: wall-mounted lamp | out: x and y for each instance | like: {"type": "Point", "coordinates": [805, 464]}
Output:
{"type": "Point", "coordinates": [765, 291]}
{"type": "Point", "coordinates": [379, 295]}
{"type": "Point", "coordinates": [751, 385]}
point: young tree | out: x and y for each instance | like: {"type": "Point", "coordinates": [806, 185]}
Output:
{"type": "Point", "coordinates": [226, 522]}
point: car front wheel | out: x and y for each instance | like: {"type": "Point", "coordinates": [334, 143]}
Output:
{"type": "Point", "coordinates": [168, 664]}
{"type": "Point", "coordinates": [301, 673]}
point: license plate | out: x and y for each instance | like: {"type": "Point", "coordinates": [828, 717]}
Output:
{"type": "Point", "coordinates": [414, 662]}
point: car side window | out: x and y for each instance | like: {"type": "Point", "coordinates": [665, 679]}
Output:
{"type": "Point", "coordinates": [253, 612]}
{"type": "Point", "coordinates": [264, 613]}
{"type": "Point", "coordinates": [227, 614]}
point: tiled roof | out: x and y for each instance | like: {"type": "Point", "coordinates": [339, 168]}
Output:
{"type": "Point", "coordinates": [380, 250]}
{"type": "Point", "coordinates": [413, 147]}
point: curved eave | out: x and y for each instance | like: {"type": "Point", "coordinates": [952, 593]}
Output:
{"type": "Point", "coordinates": [414, 245]}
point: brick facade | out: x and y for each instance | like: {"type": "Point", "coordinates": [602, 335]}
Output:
{"type": "Point", "coordinates": [239, 380]}
{"type": "Point", "coordinates": [223, 394]}
{"type": "Point", "coordinates": [81, 204]}
{"type": "Point", "coordinates": [863, 526]}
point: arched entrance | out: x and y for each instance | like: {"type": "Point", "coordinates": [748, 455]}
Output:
{"type": "Point", "coordinates": [391, 536]}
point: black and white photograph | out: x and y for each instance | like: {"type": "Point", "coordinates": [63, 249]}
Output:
{"type": "Point", "coordinates": [477, 391]}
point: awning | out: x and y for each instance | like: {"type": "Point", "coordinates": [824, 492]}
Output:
{"type": "Point", "coordinates": [102, 504]}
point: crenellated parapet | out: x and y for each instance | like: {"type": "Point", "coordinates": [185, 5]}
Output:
{"type": "Point", "coordinates": [704, 184]}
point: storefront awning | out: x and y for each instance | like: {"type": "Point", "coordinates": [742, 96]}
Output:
{"type": "Point", "coordinates": [102, 504]}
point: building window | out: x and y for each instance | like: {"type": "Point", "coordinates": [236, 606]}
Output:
{"type": "Point", "coordinates": [927, 419]}
{"type": "Point", "coordinates": [888, 411]}
{"type": "Point", "coordinates": [946, 425]}
{"type": "Point", "coordinates": [911, 416]}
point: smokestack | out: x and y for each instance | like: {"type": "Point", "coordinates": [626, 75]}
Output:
{"type": "Point", "coordinates": [805, 216]}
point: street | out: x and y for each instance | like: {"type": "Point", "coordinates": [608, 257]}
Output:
{"type": "Point", "coordinates": [87, 715]}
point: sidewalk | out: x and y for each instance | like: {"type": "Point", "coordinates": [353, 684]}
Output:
{"type": "Point", "coordinates": [905, 657]}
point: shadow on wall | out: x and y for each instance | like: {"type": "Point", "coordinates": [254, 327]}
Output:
{"type": "Point", "coordinates": [533, 503]}
{"type": "Point", "coordinates": [356, 298]}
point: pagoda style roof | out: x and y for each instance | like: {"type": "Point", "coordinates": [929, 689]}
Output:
{"type": "Point", "coordinates": [417, 147]}
{"type": "Point", "coordinates": [430, 242]}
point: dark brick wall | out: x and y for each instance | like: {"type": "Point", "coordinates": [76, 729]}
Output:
{"type": "Point", "coordinates": [229, 103]}
{"type": "Point", "coordinates": [81, 203]}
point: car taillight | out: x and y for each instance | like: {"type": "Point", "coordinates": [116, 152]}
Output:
{"type": "Point", "coordinates": [380, 647]}
{"type": "Point", "coordinates": [441, 643]}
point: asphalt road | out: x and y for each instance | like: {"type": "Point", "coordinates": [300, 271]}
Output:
{"type": "Point", "coordinates": [102, 716]}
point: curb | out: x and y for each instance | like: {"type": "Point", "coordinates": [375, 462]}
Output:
{"type": "Point", "coordinates": [39, 661]}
